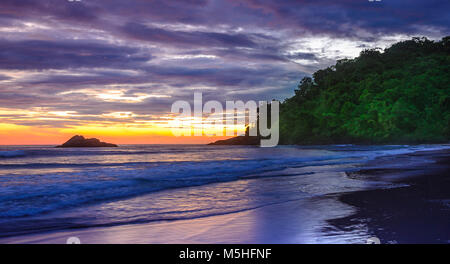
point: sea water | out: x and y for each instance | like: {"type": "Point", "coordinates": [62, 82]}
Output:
{"type": "Point", "coordinates": [44, 189]}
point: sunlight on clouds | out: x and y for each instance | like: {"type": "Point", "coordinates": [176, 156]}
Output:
{"type": "Point", "coordinates": [34, 113]}
{"type": "Point", "coordinates": [63, 113]}
{"type": "Point", "coordinates": [12, 112]}
{"type": "Point", "coordinates": [14, 74]}
{"type": "Point", "coordinates": [18, 127]}
{"type": "Point", "coordinates": [119, 115]}
{"type": "Point", "coordinates": [179, 26]}
{"type": "Point", "coordinates": [25, 27]}
{"type": "Point", "coordinates": [338, 48]}
{"type": "Point", "coordinates": [187, 57]}
{"type": "Point", "coordinates": [209, 127]}
{"type": "Point", "coordinates": [125, 130]}
{"type": "Point", "coordinates": [116, 95]}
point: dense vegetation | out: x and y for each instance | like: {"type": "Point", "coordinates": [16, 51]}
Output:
{"type": "Point", "coordinates": [401, 95]}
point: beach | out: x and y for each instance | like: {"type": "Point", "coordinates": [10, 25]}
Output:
{"type": "Point", "coordinates": [334, 194]}
{"type": "Point", "coordinates": [419, 212]}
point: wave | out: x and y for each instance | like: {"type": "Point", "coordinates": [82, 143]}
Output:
{"type": "Point", "coordinates": [157, 150]}
{"type": "Point", "coordinates": [53, 152]}
{"type": "Point", "coordinates": [32, 194]}
{"type": "Point", "coordinates": [12, 153]}
{"type": "Point", "coordinates": [73, 165]}
{"type": "Point", "coordinates": [60, 190]}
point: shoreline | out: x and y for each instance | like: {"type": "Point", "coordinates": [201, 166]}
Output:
{"type": "Point", "coordinates": [389, 214]}
{"type": "Point", "coordinates": [231, 228]}
{"type": "Point", "coordinates": [255, 140]}
{"type": "Point", "coordinates": [418, 212]}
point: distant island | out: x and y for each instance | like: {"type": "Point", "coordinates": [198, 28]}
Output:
{"type": "Point", "coordinates": [240, 140]}
{"type": "Point", "coordinates": [397, 96]}
{"type": "Point", "coordinates": [81, 142]}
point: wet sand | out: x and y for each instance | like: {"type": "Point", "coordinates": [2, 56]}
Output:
{"type": "Point", "coordinates": [416, 213]}
{"type": "Point", "coordinates": [285, 223]}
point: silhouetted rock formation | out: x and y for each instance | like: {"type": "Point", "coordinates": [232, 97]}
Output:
{"type": "Point", "coordinates": [240, 140]}
{"type": "Point", "coordinates": [81, 142]}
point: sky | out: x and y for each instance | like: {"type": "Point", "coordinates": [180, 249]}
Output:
{"type": "Point", "coordinates": [112, 68]}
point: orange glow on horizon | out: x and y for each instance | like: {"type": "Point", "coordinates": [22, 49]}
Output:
{"type": "Point", "coordinates": [26, 135]}
{"type": "Point", "coordinates": [47, 127]}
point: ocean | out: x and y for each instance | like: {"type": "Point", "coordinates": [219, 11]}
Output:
{"type": "Point", "coordinates": [47, 189]}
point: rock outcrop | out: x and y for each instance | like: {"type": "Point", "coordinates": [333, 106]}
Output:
{"type": "Point", "coordinates": [81, 142]}
{"type": "Point", "coordinates": [240, 140]}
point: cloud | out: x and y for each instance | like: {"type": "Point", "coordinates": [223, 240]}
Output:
{"type": "Point", "coordinates": [183, 38]}
{"type": "Point", "coordinates": [66, 10]}
{"type": "Point", "coordinates": [351, 18]}
{"type": "Point", "coordinates": [52, 51]}
{"type": "Point", "coordinates": [38, 54]}
{"type": "Point", "coordinates": [4, 77]}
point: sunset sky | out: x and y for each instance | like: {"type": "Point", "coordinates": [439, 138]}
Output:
{"type": "Point", "coordinates": [112, 68]}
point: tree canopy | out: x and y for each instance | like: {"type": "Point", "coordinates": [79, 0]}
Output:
{"type": "Point", "coordinates": [399, 95]}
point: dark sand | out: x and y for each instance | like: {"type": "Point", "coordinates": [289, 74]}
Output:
{"type": "Point", "coordinates": [416, 213]}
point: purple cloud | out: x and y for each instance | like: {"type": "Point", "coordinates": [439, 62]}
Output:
{"type": "Point", "coordinates": [230, 49]}
{"type": "Point", "coordinates": [38, 54]}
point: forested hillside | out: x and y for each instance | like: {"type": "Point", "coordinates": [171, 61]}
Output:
{"type": "Point", "coordinates": [399, 95]}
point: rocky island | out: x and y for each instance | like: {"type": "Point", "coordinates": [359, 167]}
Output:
{"type": "Point", "coordinates": [82, 142]}
{"type": "Point", "coordinates": [239, 140]}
